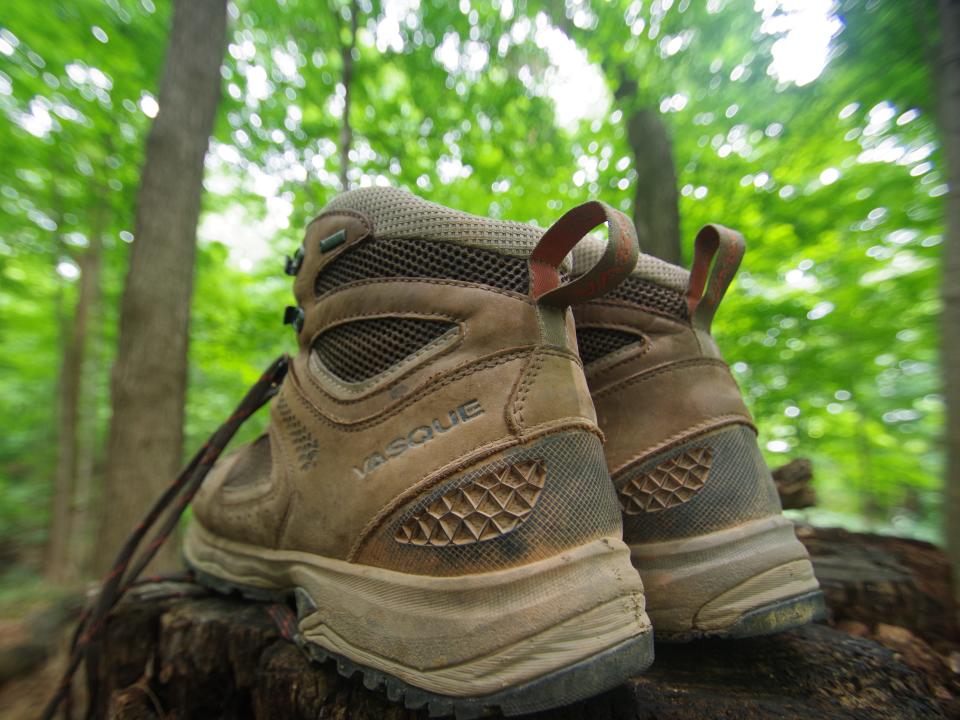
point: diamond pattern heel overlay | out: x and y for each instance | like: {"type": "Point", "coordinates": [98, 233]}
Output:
{"type": "Point", "coordinates": [671, 483]}
{"type": "Point", "coordinates": [493, 505]}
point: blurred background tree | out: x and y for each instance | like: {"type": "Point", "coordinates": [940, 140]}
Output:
{"type": "Point", "coordinates": [809, 125]}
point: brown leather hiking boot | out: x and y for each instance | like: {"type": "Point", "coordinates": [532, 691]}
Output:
{"type": "Point", "coordinates": [431, 487]}
{"type": "Point", "coordinates": [701, 513]}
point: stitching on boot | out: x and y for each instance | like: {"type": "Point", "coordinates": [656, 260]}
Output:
{"type": "Point", "coordinates": [702, 428]}
{"type": "Point", "coordinates": [428, 388]}
{"type": "Point", "coordinates": [670, 367]}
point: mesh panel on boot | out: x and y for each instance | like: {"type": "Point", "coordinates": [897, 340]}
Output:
{"type": "Point", "coordinates": [396, 213]}
{"type": "Point", "coordinates": [594, 343]}
{"type": "Point", "coordinates": [656, 297]}
{"type": "Point", "coordinates": [359, 350]}
{"type": "Point", "coordinates": [424, 259]}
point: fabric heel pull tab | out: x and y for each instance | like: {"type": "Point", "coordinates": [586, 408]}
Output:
{"type": "Point", "coordinates": [617, 262]}
{"type": "Point", "coordinates": [717, 254]}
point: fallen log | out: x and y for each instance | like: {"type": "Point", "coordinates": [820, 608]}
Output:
{"type": "Point", "coordinates": [207, 656]}
{"type": "Point", "coordinates": [892, 650]}
{"type": "Point", "coordinates": [878, 579]}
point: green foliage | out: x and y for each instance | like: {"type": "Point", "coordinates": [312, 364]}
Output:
{"type": "Point", "coordinates": [830, 328]}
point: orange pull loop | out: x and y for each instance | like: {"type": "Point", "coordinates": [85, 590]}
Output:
{"type": "Point", "coordinates": [716, 256]}
{"type": "Point", "coordinates": [617, 262]}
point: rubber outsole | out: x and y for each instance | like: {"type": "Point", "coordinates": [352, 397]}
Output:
{"type": "Point", "coordinates": [584, 679]}
{"type": "Point", "coordinates": [769, 619]}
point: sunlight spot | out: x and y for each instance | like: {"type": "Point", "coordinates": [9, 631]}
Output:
{"type": "Point", "coordinates": [878, 117]}
{"type": "Point", "coordinates": [829, 176]}
{"type": "Point", "coordinates": [672, 45]}
{"type": "Point", "coordinates": [908, 116]}
{"type": "Point", "coordinates": [792, 411]}
{"type": "Point", "coordinates": [258, 87]}
{"type": "Point", "coordinates": [99, 34]}
{"type": "Point", "coordinates": [77, 239]}
{"type": "Point", "coordinates": [149, 105]}
{"type": "Point", "coordinates": [285, 62]}
{"type": "Point", "coordinates": [674, 103]}
{"type": "Point", "coordinates": [849, 110]}
{"type": "Point", "coordinates": [806, 27]}
{"type": "Point", "coordinates": [38, 122]}
{"type": "Point", "coordinates": [576, 85]}
{"type": "Point", "coordinates": [778, 446]}
{"type": "Point", "coordinates": [68, 270]}
{"type": "Point", "coordinates": [820, 310]}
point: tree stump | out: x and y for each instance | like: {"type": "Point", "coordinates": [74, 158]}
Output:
{"type": "Point", "coordinates": [207, 656]}
{"type": "Point", "coordinates": [874, 579]}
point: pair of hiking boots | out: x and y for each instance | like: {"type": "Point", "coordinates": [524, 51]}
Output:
{"type": "Point", "coordinates": [434, 486]}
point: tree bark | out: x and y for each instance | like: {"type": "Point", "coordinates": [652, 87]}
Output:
{"type": "Point", "coordinates": [346, 130]}
{"type": "Point", "coordinates": [62, 538]}
{"type": "Point", "coordinates": [950, 322]}
{"type": "Point", "coordinates": [144, 445]}
{"type": "Point", "coordinates": [656, 211]}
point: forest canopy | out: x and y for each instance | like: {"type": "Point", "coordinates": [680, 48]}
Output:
{"type": "Point", "coordinates": [808, 126]}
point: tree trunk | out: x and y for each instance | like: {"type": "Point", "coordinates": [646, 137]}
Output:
{"type": "Point", "coordinates": [150, 375]}
{"type": "Point", "coordinates": [346, 130]}
{"type": "Point", "coordinates": [62, 538]}
{"type": "Point", "coordinates": [950, 122]}
{"type": "Point", "coordinates": [656, 210]}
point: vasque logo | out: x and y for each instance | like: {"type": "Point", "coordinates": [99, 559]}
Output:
{"type": "Point", "coordinates": [420, 435]}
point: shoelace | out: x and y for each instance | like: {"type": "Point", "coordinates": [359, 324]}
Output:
{"type": "Point", "coordinates": [85, 646]}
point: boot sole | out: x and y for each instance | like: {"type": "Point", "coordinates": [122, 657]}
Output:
{"type": "Point", "coordinates": [754, 579]}
{"type": "Point", "coordinates": [513, 641]}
